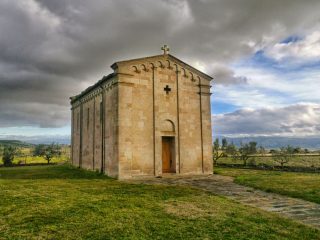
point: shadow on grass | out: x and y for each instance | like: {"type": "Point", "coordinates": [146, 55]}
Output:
{"type": "Point", "coordinates": [65, 171]}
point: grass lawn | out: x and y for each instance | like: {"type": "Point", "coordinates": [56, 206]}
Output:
{"type": "Point", "coordinates": [309, 160]}
{"type": "Point", "coordinates": [61, 202]}
{"type": "Point", "coordinates": [300, 185]}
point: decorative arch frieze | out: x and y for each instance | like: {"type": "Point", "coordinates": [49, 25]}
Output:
{"type": "Point", "coordinates": [169, 65]}
{"type": "Point", "coordinates": [176, 67]}
{"type": "Point", "coordinates": [184, 73]}
{"type": "Point", "coordinates": [144, 68]}
{"type": "Point", "coordinates": [192, 77]}
{"type": "Point", "coordinates": [135, 69]}
{"type": "Point", "coordinates": [152, 65]}
{"type": "Point", "coordinates": [161, 65]}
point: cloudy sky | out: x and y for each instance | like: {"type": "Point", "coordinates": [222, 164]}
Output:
{"type": "Point", "coordinates": [264, 56]}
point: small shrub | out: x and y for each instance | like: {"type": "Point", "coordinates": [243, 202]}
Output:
{"type": "Point", "coordinates": [8, 155]}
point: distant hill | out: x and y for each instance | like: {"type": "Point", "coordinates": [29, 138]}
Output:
{"type": "Point", "coordinates": [312, 143]}
{"type": "Point", "coordinates": [38, 139]}
{"type": "Point", "coordinates": [48, 140]}
{"type": "Point", "coordinates": [15, 143]}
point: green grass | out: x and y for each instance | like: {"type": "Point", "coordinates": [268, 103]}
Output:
{"type": "Point", "coordinates": [299, 185]}
{"type": "Point", "coordinates": [62, 202]}
{"type": "Point", "coordinates": [296, 161]}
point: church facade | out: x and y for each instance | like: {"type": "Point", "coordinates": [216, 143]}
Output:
{"type": "Point", "coordinates": [150, 117]}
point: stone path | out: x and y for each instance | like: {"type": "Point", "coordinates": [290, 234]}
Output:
{"type": "Point", "coordinates": [299, 210]}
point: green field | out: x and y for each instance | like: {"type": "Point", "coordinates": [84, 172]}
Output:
{"type": "Point", "coordinates": [309, 160]}
{"type": "Point", "coordinates": [62, 202]}
{"type": "Point", "coordinates": [25, 156]}
{"type": "Point", "coordinates": [299, 185]}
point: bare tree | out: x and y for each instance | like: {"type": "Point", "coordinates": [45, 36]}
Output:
{"type": "Point", "coordinates": [262, 151]}
{"type": "Point", "coordinates": [224, 143]}
{"type": "Point", "coordinates": [246, 151]}
{"type": "Point", "coordinates": [47, 151]}
{"type": "Point", "coordinates": [232, 151]}
{"type": "Point", "coordinates": [284, 155]}
{"type": "Point", "coordinates": [217, 153]}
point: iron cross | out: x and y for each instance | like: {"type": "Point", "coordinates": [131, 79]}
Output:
{"type": "Point", "coordinates": [167, 89]}
{"type": "Point", "coordinates": [165, 49]}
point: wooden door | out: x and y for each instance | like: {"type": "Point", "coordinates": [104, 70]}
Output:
{"type": "Point", "coordinates": [167, 155]}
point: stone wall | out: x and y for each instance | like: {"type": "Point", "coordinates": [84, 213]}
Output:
{"type": "Point", "coordinates": [111, 143]}
{"type": "Point", "coordinates": [135, 125]}
{"type": "Point", "coordinates": [76, 136]}
{"type": "Point", "coordinates": [97, 158]}
{"type": "Point", "coordinates": [165, 110]}
{"type": "Point", "coordinates": [190, 126]}
{"type": "Point", "coordinates": [207, 129]}
{"type": "Point", "coordinates": [87, 134]}
{"type": "Point", "coordinates": [87, 131]}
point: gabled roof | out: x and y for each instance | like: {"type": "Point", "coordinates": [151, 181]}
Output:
{"type": "Point", "coordinates": [151, 58]}
{"type": "Point", "coordinates": [166, 57]}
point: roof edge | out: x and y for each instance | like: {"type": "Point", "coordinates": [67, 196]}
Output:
{"type": "Point", "coordinates": [114, 66]}
{"type": "Point", "coordinates": [92, 87]}
{"type": "Point", "coordinates": [193, 68]}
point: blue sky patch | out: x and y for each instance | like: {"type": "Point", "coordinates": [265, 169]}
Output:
{"type": "Point", "coordinates": [218, 107]}
{"type": "Point", "coordinates": [292, 38]}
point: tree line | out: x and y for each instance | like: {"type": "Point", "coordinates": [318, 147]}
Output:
{"type": "Point", "coordinates": [9, 152]}
{"type": "Point", "coordinates": [251, 150]}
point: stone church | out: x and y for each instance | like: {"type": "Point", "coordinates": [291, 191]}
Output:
{"type": "Point", "coordinates": [150, 117]}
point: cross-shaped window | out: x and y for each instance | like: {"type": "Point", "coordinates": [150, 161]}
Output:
{"type": "Point", "coordinates": [167, 89]}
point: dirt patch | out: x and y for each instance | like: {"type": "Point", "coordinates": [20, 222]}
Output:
{"type": "Point", "coordinates": [187, 209]}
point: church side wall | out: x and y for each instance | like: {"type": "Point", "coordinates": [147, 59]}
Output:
{"type": "Point", "coordinates": [75, 135]}
{"type": "Point", "coordinates": [97, 140]}
{"type": "Point", "coordinates": [95, 131]}
{"type": "Point", "coordinates": [87, 134]}
{"type": "Point", "coordinates": [111, 126]}
{"type": "Point", "coordinates": [91, 134]}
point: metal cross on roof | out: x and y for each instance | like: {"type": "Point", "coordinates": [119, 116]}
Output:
{"type": "Point", "coordinates": [167, 89]}
{"type": "Point", "coordinates": [165, 49]}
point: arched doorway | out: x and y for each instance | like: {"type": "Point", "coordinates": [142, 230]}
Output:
{"type": "Point", "coordinates": [168, 147]}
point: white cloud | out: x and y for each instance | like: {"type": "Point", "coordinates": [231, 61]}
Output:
{"type": "Point", "coordinates": [293, 120]}
{"type": "Point", "coordinates": [247, 97]}
{"type": "Point", "coordinates": [307, 49]}
{"type": "Point", "coordinates": [266, 87]}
